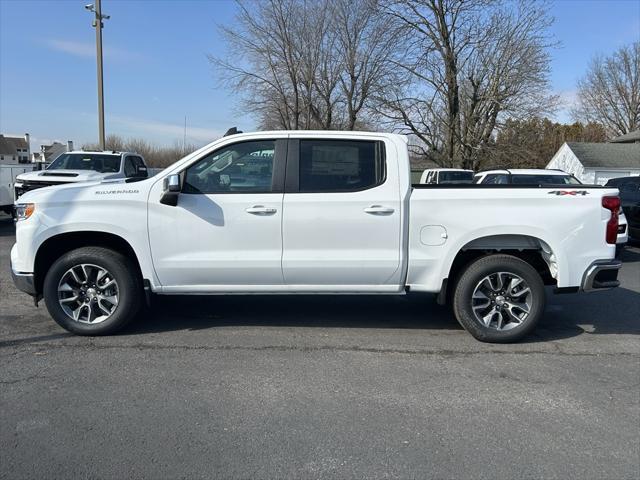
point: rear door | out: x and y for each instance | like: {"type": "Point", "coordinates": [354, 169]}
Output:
{"type": "Point", "coordinates": [341, 214]}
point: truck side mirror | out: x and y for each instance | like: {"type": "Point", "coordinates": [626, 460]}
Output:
{"type": "Point", "coordinates": [172, 188]}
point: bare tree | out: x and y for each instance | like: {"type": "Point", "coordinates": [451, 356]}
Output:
{"type": "Point", "coordinates": [264, 62]}
{"type": "Point", "coordinates": [609, 93]}
{"type": "Point", "coordinates": [471, 64]}
{"type": "Point", "coordinates": [367, 42]}
{"type": "Point", "coordinates": [302, 64]}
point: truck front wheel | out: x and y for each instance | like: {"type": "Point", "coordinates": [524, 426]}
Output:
{"type": "Point", "coordinates": [92, 291]}
{"type": "Point", "coordinates": [499, 299]}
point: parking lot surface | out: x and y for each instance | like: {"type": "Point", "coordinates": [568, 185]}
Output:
{"type": "Point", "coordinates": [321, 387]}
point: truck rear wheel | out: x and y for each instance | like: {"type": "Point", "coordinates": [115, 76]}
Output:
{"type": "Point", "coordinates": [92, 291]}
{"type": "Point", "coordinates": [499, 299]}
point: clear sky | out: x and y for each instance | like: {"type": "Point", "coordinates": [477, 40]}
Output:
{"type": "Point", "coordinates": [157, 72]}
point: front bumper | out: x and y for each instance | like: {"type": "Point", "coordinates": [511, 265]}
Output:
{"type": "Point", "coordinates": [24, 282]}
{"type": "Point", "coordinates": [601, 274]}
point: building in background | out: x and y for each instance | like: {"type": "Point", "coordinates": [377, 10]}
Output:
{"type": "Point", "coordinates": [48, 153]}
{"type": "Point", "coordinates": [631, 137]}
{"type": "Point", "coordinates": [595, 163]}
{"type": "Point", "coordinates": [15, 150]}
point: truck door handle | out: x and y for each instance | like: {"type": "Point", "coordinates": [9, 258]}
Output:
{"type": "Point", "coordinates": [379, 210]}
{"type": "Point", "coordinates": [260, 210]}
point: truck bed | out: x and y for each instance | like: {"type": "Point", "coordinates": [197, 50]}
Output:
{"type": "Point", "coordinates": [568, 223]}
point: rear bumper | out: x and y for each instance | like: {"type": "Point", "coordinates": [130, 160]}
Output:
{"type": "Point", "coordinates": [601, 274]}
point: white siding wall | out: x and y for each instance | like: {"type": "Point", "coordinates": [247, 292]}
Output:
{"type": "Point", "coordinates": [8, 159]}
{"type": "Point", "coordinates": [565, 159]}
{"type": "Point", "coordinates": [601, 175]}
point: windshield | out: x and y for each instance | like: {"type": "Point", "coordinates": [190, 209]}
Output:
{"type": "Point", "coordinates": [455, 177]}
{"type": "Point", "coordinates": [87, 161]}
{"type": "Point", "coordinates": [544, 179]}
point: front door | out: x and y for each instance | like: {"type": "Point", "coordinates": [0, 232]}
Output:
{"type": "Point", "coordinates": [342, 215]}
{"type": "Point", "coordinates": [225, 233]}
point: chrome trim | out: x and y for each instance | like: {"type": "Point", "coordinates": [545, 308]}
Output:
{"type": "Point", "coordinates": [595, 268]}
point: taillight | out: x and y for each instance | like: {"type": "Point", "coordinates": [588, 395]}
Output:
{"type": "Point", "coordinates": [612, 204]}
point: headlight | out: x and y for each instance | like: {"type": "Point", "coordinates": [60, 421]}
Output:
{"type": "Point", "coordinates": [24, 210]}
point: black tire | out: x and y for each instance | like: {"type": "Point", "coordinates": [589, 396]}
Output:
{"type": "Point", "coordinates": [130, 293]}
{"type": "Point", "coordinates": [470, 278]}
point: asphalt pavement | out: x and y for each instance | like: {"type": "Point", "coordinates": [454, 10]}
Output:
{"type": "Point", "coordinates": [321, 387]}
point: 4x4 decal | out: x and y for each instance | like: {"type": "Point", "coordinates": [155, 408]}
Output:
{"type": "Point", "coordinates": [572, 193]}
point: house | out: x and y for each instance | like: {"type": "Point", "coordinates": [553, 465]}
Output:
{"type": "Point", "coordinates": [595, 163]}
{"type": "Point", "coordinates": [48, 153]}
{"type": "Point", "coordinates": [14, 150]}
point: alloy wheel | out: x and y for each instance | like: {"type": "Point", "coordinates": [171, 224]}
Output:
{"type": "Point", "coordinates": [88, 293]}
{"type": "Point", "coordinates": [501, 301]}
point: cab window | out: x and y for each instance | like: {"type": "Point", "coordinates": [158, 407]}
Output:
{"type": "Point", "coordinates": [496, 179]}
{"type": "Point", "coordinates": [129, 167]}
{"type": "Point", "coordinates": [340, 165]}
{"type": "Point", "coordinates": [241, 167]}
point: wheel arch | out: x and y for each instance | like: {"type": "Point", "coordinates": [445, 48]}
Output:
{"type": "Point", "coordinates": [533, 250]}
{"type": "Point", "coordinates": [57, 245]}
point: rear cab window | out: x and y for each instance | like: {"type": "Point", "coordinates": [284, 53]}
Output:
{"type": "Point", "coordinates": [340, 165]}
{"type": "Point", "coordinates": [129, 167]}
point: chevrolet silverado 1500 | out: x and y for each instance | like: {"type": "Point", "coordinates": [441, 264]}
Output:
{"type": "Point", "coordinates": [311, 212]}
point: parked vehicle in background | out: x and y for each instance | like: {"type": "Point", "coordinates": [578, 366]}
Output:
{"type": "Point", "coordinates": [79, 166]}
{"type": "Point", "coordinates": [629, 188]}
{"type": "Point", "coordinates": [433, 176]}
{"type": "Point", "coordinates": [314, 213]}
{"type": "Point", "coordinates": [8, 174]}
{"type": "Point", "coordinates": [541, 177]}
{"type": "Point", "coordinates": [525, 176]}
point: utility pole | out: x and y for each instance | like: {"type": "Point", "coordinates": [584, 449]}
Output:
{"type": "Point", "coordinates": [97, 24]}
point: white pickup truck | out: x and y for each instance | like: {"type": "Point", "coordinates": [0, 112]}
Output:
{"type": "Point", "coordinates": [313, 213]}
{"type": "Point", "coordinates": [81, 166]}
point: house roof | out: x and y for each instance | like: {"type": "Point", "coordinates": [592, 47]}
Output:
{"type": "Point", "coordinates": [51, 148]}
{"type": "Point", "coordinates": [607, 155]}
{"type": "Point", "coordinates": [53, 151]}
{"type": "Point", "coordinates": [9, 145]}
{"type": "Point", "coordinates": [630, 137]}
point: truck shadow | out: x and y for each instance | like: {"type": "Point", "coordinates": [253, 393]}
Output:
{"type": "Point", "coordinates": [614, 312]}
{"type": "Point", "coordinates": [300, 311]}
